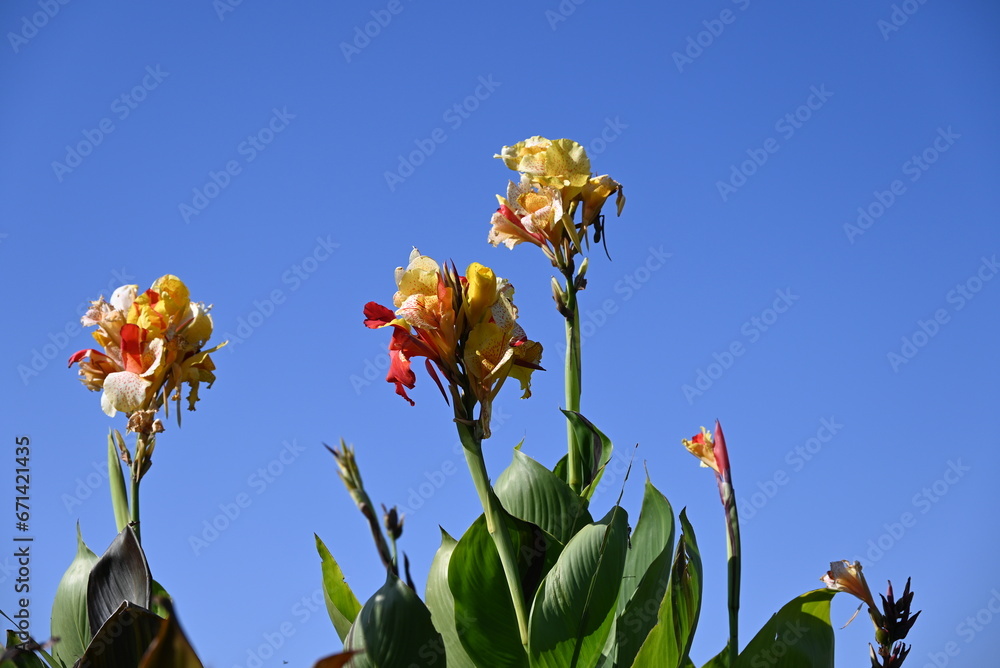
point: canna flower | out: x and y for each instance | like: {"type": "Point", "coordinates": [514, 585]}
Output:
{"type": "Point", "coordinates": [711, 451]}
{"type": "Point", "coordinates": [150, 345]}
{"type": "Point", "coordinates": [440, 313]}
{"type": "Point", "coordinates": [540, 207]}
{"type": "Point", "coordinates": [561, 163]}
{"type": "Point", "coordinates": [845, 576]}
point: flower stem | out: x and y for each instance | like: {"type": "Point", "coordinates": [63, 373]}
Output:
{"type": "Point", "coordinates": [573, 380]}
{"type": "Point", "coordinates": [734, 557]}
{"type": "Point", "coordinates": [134, 508]}
{"type": "Point", "coordinates": [495, 523]}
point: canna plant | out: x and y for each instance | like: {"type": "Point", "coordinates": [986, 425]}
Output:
{"type": "Point", "coordinates": [542, 579]}
{"type": "Point", "coordinates": [108, 610]}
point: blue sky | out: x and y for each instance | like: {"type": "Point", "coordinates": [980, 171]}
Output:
{"type": "Point", "coordinates": [808, 253]}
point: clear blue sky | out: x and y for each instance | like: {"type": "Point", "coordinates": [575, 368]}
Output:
{"type": "Point", "coordinates": [247, 152]}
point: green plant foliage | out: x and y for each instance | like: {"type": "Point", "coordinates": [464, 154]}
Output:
{"type": "Point", "coordinates": [669, 642]}
{"type": "Point", "coordinates": [121, 574]}
{"type": "Point", "coordinates": [119, 498]}
{"type": "Point", "coordinates": [123, 638]}
{"type": "Point", "coordinates": [574, 609]}
{"type": "Point", "coordinates": [70, 622]}
{"type": "Point", "coordinates": [532, 493]}
{"type": "Point", "coordinates": [798, 636]}
{"type": "Point", "coordinates": [341, 602]}
{"type": "Point", "coordinates": [442, 604]}
{"type": "Point", "coordinates": [594, 452]}
{"type": "Point", "coordinates": [170, 648]}
{"type": "Point", "coordinates": [647, 573]}
{"type": "Point", "coordinates": [394, 630]}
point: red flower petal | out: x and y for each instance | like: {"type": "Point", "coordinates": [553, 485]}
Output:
{"type": "Point", "coordinates": [377, 315]}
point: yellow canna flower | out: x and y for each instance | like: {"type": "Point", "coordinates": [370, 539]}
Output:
{"type": "Point", "coordinates": [151, 345]}
{"type": "Point", "coordinates": [560, 163]}
{"type": "Point", "coordinates": [845, 576]}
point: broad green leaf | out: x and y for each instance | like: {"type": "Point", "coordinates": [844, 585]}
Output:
{"type": "Point", "coordinates": [574, 608]}
{"type": "Point", "coordinates": [669, 642]}
{"type": "Point", "coordinates": [123, 638]}
{"type": "Point", "coordinates": [720, 660]}
{"type": "Point", "coordinates": [70, 622]}
{"type": "Point", "coordinates": [120, 575]}
{"type": "Point", "coordinates": [647, 572]}
{"type": "Point", "coordinates": [798, 636]}
{"type": "Point", "coordinates": [594, 454]}
{"type": "Point", "coordinates": [170, 648]}
{"type": "Point", "coordinates": [159, 600]}
{"type": "Point", "coordinates": [341, 602]}
{"type": "Point", "coordinates": [14, 657]}
{"type": "Point", "coordinates": [531, 492]}
{"type": "Point", "coordinates": [394, 630]}
{"type": "Point", "coordinates": [484, 613]}
{"type": "Point", "coordinates": [442, 604]}
{"type": "Point", "coordinates": [119, 498]}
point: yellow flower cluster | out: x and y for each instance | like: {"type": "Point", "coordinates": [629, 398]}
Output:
{"type": "Point", "coordinates": [540, 207]}
{"type": "Point", "coordinates": [151, 344]}
{"type": "Point", "coordinates": [466, 325]}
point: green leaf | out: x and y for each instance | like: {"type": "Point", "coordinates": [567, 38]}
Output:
{"type": "Point", "coordinates": [170, 648]}
{"type": "Point", "coordinates": [123, 638]}
{"type": "Point", "coordinates": [669, 642]}
{"type": "Point", "coordinates": [484, 613]}
{"type": "Point", "coordinates": [120, 575]}
{"type": "Point", "coordinates": [532, 493]}
{"type": "Point", "coordinates": [720, 660]}
{"type": "Point", "coordinates": [574, 608]}
{"type": "Point", "coordinates": [119, 498]}
{"type": "Point", "coordinates": [159, 600]}
{"type": "Point", "coordinates": [647, 573]}
{"type": "Point", "coordinates": [798, 636]}
{"type": "Point", "coordinates": [15, 657]}
{"type": "Point", "coordinates": [341, 602]}
{"type": "Point", "coordinates": [594, 454]}
{"type": "Point", "coordinates": [394, 630]}
{"type": "Point", "coordinates": [70, 622]}
{"type": "Point", "coordinates": [442, 604]}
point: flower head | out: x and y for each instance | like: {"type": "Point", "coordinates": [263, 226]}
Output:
{"type": "Point", "coordinates": [150, 345]}
{"type": "Point", "coordinates": [465, 326]}
{"type": "Point", "coordinates": [847, 577]}
{"type": "Point", "coordinates": [711, 450]}
{"type": "Point", "coordinates": [540, 207]}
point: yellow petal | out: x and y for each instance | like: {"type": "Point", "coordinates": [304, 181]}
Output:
{"type": "Point", "coordinates": [480, 293]}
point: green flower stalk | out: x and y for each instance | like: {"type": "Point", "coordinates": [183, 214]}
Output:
{"type": "Point", "coordinates": [541, 209]}
{"type": "Point", "coordinates": [713, 454]}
